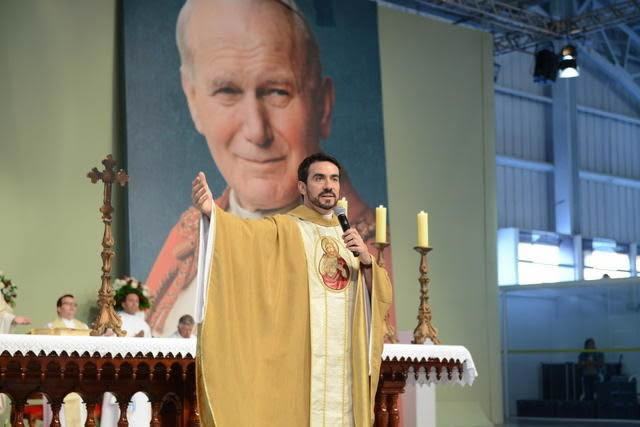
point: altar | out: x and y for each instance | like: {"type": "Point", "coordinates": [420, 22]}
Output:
{"type": "Point", "coordinates": [164, 369]}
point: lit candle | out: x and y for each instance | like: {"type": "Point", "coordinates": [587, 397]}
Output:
{"type": "Point", "coordinates": [344, 204]}
{"type": "Point", "coordinates": [423, 229]}
{"type": "Point", "coordinates": [381, 224]}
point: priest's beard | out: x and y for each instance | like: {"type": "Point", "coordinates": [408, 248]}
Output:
{"type": "Point", "coordinates": [316, 201]}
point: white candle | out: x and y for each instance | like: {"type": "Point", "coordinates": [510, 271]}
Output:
{"type": "Point", "coordinates": [423, 229]}
{"type": "Point", "coordinates": [381, 224]}
{"type": "Point", "coordinates": [345, 204]}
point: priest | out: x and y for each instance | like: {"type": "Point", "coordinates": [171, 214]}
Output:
{"type": "Point", "coordinates": [292, 311]}
{"type": "Point", "coordinates": [66, 308]}
{"type": "Point", "coordinates": [7, 320]}
{"type": "Point", "coordinates": [8, 296]}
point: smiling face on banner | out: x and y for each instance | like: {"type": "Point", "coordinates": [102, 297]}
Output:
{"type": "Point", "coordinates": [255, 95]}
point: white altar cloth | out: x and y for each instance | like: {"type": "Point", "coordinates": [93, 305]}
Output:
{"type": "Point", "coordinates": [419, 352]}
{"type": "Point", "coordinates": [103, 346]}
{"type": "Point", "coordinates": [180, 347]}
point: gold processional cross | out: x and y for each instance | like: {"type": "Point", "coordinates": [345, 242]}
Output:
{"type": "Point", "coordinates": [107, 317]}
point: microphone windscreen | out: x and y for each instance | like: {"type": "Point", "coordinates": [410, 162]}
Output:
{"type": "Point", "coordinates": [339, 210]}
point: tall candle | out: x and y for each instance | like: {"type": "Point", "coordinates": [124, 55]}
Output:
{"type": "Point", "coordinates": [381, 224]}
{"type": "Point", "coordinates": [423, 229]}
{"type": "Point", "coordinates": [345, 204]}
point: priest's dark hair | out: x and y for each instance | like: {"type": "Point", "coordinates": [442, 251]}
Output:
{"type": "Point", "coordinates": [303, 169]}
{"type": "Point", "coordinates": [59, 302]}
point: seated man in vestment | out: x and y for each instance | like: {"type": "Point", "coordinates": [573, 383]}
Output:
{"type": "Point", "coordinates": [292, 311]}
{"type": "Point", "coordinates": [7, 301]}
{"type": "Point", "coordinates": [66, 308]}
{"type": "Point", "coordinates": [73, 412]}
{"type": "Point", "coordinates": [7, 320]}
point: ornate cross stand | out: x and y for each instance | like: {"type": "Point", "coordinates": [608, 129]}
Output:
{"type": "Point", "coordinates": [389, 331]}
{"type": "Point", "coordinates": [107, 317]}
{"type": "Point", "coordinates": [424, 329]}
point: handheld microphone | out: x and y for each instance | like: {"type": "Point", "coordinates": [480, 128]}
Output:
{"type": "Point", "coordinates": [341, 213]}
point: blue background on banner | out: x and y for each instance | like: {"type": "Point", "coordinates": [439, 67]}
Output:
{"type": "Point", "coordinates": [164, 152]}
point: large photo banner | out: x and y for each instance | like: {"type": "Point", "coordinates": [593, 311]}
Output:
{"type": "Point", "coordinates": [242, 90]}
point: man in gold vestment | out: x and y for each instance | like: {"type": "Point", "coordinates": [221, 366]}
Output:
{"type": "Point", "coordinates": [286, 340]}
{"type": "Point", "coordinates": [66, 308]}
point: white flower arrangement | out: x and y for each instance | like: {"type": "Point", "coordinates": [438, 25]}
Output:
{"type": "Point", "coordinates": [123, 286]}
{"type": "Point", "coordinates": [8, 290]}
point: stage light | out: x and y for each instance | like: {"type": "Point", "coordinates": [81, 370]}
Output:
{"type": "Point", "coordinates": [546, 66]}
{"type": "Point", "coordinates": [568, 66]}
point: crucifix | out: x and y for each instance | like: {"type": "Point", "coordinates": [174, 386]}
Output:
{"type": "Point", "coordinates": [107, 317]}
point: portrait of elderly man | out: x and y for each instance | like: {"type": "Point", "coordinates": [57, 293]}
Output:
{"type": "Point", "coordinates": [253, 81]}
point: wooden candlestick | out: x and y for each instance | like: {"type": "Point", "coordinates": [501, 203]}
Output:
{"type": "Point", "coordinates": [107, 317]}
{"type": "Point", "coordinates": [424, 329]}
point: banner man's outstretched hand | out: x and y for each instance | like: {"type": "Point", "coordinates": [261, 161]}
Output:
{"type": "Point", "coordinates": [201, 196]}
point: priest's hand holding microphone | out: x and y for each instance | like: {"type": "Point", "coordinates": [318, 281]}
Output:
{"type": "Point", "coordinates": [354, 242]}
{"type": "Point", "coordinates": [352, 239]}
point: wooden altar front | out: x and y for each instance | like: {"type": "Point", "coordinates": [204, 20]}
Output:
{"type": "Point", "coordinates": [164, 369]}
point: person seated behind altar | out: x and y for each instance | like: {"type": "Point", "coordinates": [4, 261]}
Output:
{"type": "Point", "coordinates": [132, 317]}
{"type": "Point", "coordinates": [73, 412]}
{"type": "Point", "coordinates": [7, 320]}
{"type": "Point", "coordinates": [8, 296]}
{"type": "Point", "coordinates": [66, 307]}
{"type": "Point", "coordinates": [131, 299]}
{"type": "Point", "coordinates": [185, 328]}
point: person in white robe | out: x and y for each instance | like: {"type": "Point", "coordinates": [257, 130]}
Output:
{"type": "Point", "coordinates": [139, 410]}
{"type": "Point", "coordinates": [185, 328]}
{"type": "Point", "coordinates": [7, 320]}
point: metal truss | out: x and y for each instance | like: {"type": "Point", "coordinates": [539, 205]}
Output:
{"type": "Point", "coordinates": [606, 31]}
{"type": "Point", "coordinates": [522, 25]}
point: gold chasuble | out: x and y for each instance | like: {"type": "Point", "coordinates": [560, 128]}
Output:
{"type": "Point", "coordinates": [290, 335]}
{"type": "Point", "coordinates": [69, 324]}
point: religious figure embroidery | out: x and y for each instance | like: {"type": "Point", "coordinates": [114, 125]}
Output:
{"type": "Point", "coordinates": [333, 268]}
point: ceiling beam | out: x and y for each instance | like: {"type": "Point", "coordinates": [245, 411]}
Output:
{"type": "Point", "coordinates": [583, 8]}
{"type": "Point", "coordinates": [626, 52]}
{"type": "Point", "coordinates": [614, 58]}
{"type": "Point", "coordinates": [615, 73]}
{"type": "Point", "coordinates": [635, 37]}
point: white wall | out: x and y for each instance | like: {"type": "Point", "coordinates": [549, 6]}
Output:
{"type": "Point", "coordinates": [439, 140]}
{"type": "Point", "coordinates": [57, 121]}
